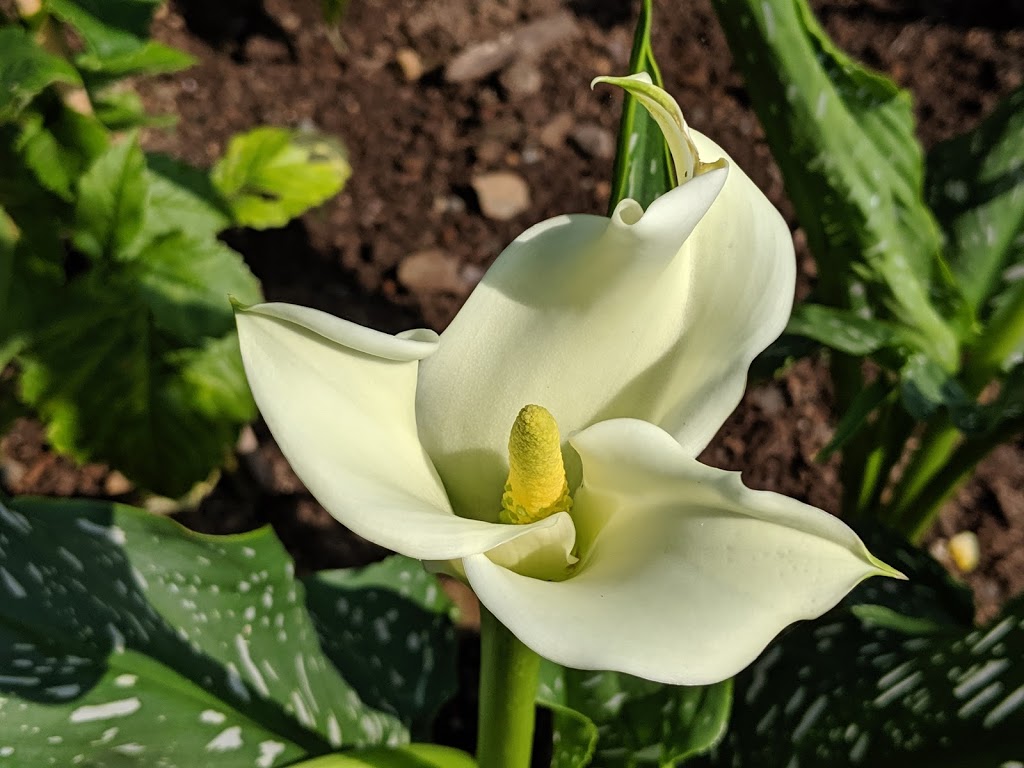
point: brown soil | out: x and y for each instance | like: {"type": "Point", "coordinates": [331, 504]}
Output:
{"type": "Point", "coordinates": [415, 146]}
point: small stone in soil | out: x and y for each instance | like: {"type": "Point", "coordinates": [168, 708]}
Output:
{"type": "Point", "coordinates": [553, 134]}
{"type": "Point", "coordinates": [502, 195]}
{"type": "Point", "coordinates": [410, 63]}
{"type": "Point", "coordinates": [592, 140]}
{"type": "Point", "coordinates": [522, 78]}
{"type": "Point", "coordinates": [431, 271]}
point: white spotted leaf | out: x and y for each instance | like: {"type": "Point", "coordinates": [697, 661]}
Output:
{"type": "Point", "coordinates": [844, 139]}
{"type": "Point", "coordinates": [126, 640]}
{"type": "Point", "coordinates": [387, 628]}
{"type": "Point", "coordinates": [613, 720]}
{"type": "Point", "coordinates": [643, 166]}
{"type": "Point", "coordinates": [891, 678]}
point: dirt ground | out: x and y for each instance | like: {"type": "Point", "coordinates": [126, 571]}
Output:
{"type": "Point", "coordinates": [414, 230]}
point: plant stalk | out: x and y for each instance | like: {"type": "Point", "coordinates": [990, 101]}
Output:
{"type": "Point", "coordinates": [508, 690]}
{"type": "Point", "coordinates": [938, 443]}
{"type": "Point", "coordinates": [1003, 334]}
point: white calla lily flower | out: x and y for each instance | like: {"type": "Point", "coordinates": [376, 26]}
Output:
{"type": "Point", "coordinates": [632, 334]}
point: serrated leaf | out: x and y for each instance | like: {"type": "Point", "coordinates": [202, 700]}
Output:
{"type": "Point", "coordinates": [185, 281]}
{"type": "Point", "coordinates": [115, 35]}
{"type": "Point", "coordinates": [213, 373]}
{"type": "Point", "coordinates": [26, 70]}
{"type": "Point", "coordinates": [60, 148]}
{"type": "Point", "coordinates": [131, 641]}
{"type": "Point", "coordinates": [111, 387]}
{"type": "Point", "coordinates": [397, 643]}
{"type": "Point", "coordinates": [976, 188]}
{"type": "Point", "coordinates": [636, 721]}
{"type": "Point", "coordinates": [271, 175]}
{"type": "Point", "coordinates": [121, 109]}
{"type": "Point", "coordinates": [643, 167]}
{"type": "Point", "coordinates": [112, 199]}
{"type": "Point", "coordinates": [844, 140]}
{"type": "Point", "coordinates": [182, 198]}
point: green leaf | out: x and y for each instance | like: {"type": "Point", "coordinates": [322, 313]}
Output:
{"type": "Point", "coordinates": [112, 197]}
{"type": "Point", "coordinates": [844, 692]}
{"type": "Point", "coordinates": [185, 281]}
{"type": "Point", "coordinates": [111, 387]}
{"type": "Point", "coordinates": [844, 140]}
{"type": "Point", "coordinates": [26, 70]}
{"type": "Point", "coordinates": [271, 175]}
{"type": "Point", "coordinates": [976, 188]}
{"type": "Point", "coordinates": [926, 387]}
{"type": "Point", "coordinates": [411, 756]}
{"type": "Point", "coordinates": [214, 376]}
{"type": "Point", "coordinates": [121, 109]}
{"type": "Point", "coordinates": [636, 722]}
{"type": "Point", "coordinates": [115, 36]}
{"type": "Point", "coordinates": [863, 405]}
{"type": "Point", "coordinates": [397, 645]}
{"type": "Point", "coordinates": [59, 149]}
{"type": "Point", "coordinates": [643, 167]}
{"type": "Point", "coordinates": [842, 329]}
{"type": "Point", "coordinates": [182, 198]}
{"type": "Point", "coordinates": [131, 641]}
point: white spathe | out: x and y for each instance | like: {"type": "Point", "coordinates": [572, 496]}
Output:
{"type": "Point", "coordinates": [636, 333]}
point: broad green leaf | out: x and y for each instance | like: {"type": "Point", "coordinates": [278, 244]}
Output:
{"type": "Point", "coordinates": [271, 175]}
{"type": "Point", "coordinates": [842, 329]}
{"type": "Point", "coordinates": [397, 645]}
{"type": "Point", "coordinates": [111, 387]}
{"type": "Point", "coordinates": [112, 198]}
{"type": "Point", "coordinates": [844, 140]}
{"type": "Point", "coordinates": [115, 36]}
{"type": "Point", "coordinates": [214, 375]}
{"type": "Point", "coordinates": [131, 641]}
{"type": "Point", "coordinates": [637, 722]}
{"type": "Point", "coordinates": [60, 148]}
{"type": "Point", "coordinates": [925, 388]}
{"type": "Point", "coordinates": [847, 692]}
{"type": "Point", "coordinates": [976, 188]}
{"type": "Point", "coordinates": [182, 198]}
{"type": "Point", "coordinates": [643, 167]}
{"type": "Point", "coordinates": [185, 281]}
{"type": "Point", "coordinates": [411, 756]}
{"type": "Point", "coordinates": [895, 676]}
{"type": "Point", "coordinates": [26, 70]}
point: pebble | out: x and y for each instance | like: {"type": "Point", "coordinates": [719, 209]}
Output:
{"type": "Point", "coordinates": [593, 140]}
{"type": "Point", "coordinates": [410, 63]}
{"type": "Point", "coordinates": [502, 195]}
{"type": "Point", "coordinates": [431, 271]}
{"type": "Point", "coordinates": [524, 42]}
{"type": "Point", "coordinates": [554, 133]}
{"type": "Point", "coordinates": [522, 78]}
{"type": "Point", "coordinates": [117, 484]}
{"type": "Point", "coordinates": [965, 551]}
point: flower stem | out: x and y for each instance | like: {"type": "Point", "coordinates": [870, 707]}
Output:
{"type": "Point", "coordinates": [508, 689]}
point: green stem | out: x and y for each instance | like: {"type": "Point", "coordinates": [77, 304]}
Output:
{"type": "Point", "coordinates": [1002, 336]}
{"type": "Point", "coordinates": [508, 690]}
{"type": "Point", "coordinates": [938, 443]}
{"type": "Point", "coordinates": [955, 471]}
